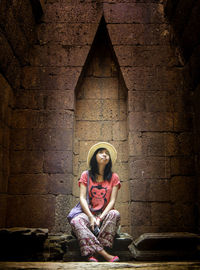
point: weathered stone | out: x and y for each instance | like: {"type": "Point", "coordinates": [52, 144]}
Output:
{"type": "Point", "coordinates": [31, 210]}
{"type": "Point", "coordinates": [48, 100]}
{"type": "Point", "coordinates": [133, 13]}
{"type": "Point", "coordinates": [162, 246]}
{"type": "Point", "coordinates": [58, 162]}
{"type": "Point", "coordinates": [138, 34]}
{"type": "Point", "coordinates": [67, 33]}
{"type": "Point", "coordinates": [26, 162]}
{"type": "Point", "coordinates": [22, 243]}
{"type": "Point", "coordinates": [138, 56]}
{"type": "Point", "coordinates": [179, 265]}
{"type": "Point", "coordinates": [57, 55]}
{"type": "Point", "coordinates": [150, 190]}
{"type": "Point", "coordinates": [50, 78]}
{"type": "Point", "coordinates": [28, 184]}
{"type": "Point", "coordinates": [152, 167]}
{"type": "Point", "coordinates": [140, 213]}
{"type": "Point", "coordinates": [161, 214]}
{"type": "Point", "coordinates": [182, 189]}
{"type": "Point", "coordinates": [73, 12]}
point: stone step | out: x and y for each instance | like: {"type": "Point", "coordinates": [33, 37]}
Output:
{"type": "Point", "coordinates": [35, 244]}
{"type": "Point", "coordinates": [162, 246]}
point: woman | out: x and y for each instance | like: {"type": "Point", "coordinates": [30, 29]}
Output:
{"type": "Point", "coordinates": [96, 227]}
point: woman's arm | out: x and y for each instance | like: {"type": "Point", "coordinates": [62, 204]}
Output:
{"type": "Point", "coordinates": [84, 205]}
{"type": "Point", "coordinates": [111, 204]}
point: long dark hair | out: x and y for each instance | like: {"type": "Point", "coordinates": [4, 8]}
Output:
{"type": "Point", "coordinates": [95, 169]}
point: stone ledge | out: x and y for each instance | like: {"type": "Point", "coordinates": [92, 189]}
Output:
{"type": "Point", "coordinates": [35, 244]}
{"type": "Point", "coordinates": [162, 246]}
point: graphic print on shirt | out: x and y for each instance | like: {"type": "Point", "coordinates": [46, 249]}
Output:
{"type": "Point", "coordinates": [98, 200]}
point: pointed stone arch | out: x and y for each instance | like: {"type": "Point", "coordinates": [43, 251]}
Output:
{"type": "Point", "coordinates": [101, 113]}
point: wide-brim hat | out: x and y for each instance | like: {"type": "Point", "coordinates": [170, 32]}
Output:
{"type": "Point", "coordinates": [111, 149]}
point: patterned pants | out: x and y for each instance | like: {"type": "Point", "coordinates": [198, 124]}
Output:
{"type": "Point", "coordinates": [88, 242]}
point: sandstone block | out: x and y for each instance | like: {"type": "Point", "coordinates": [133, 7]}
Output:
{"type": "Point", "coordinates": [20, 139]}
{"type": "Point", "coordinates": [59, 139]}
{"type": "Point", "coordinates": [135, 142]}
{"type": "Point", "coordinates": [150, 190]}
{"type": "Point", "coordinates": [6, 53]}
{"type": "Point", "coordinates": [138, 56]}
{"type": "Point", "coordinates": [50, 78]}
{"type": "Point", "coordinates": [22, 11]}
{"type": "Point", "coordinates": [122, 110]}
{"type": "Point", "coordinates": [110, 110]}
{"type": "Point", "coordinates": [28, 184]}
{"type": "Point", "coordinates": [12, 29]}
{"type": "Point", "coordinates": [58, 55]}
{"type": "Point", "coordinates": [122, 170]}
{"type": "Point", "coordinates": [160, 144]}
{"type": "Point", "coordinates": [74, 12]}
{"type": "Point", "coordinates": [107, 130]}
{"type": "Point", "coordinates": [136, 101]}
{"type": "Point", "coordinates": [124, 210]}
{"type": "Point", "coordinates": [27, 99]}
{"type": "Point", "coordinates": [182, 189]}
{"type": "Point", "coordinates": [183, 121]}
{"type": "Point", "coordinates": [120, 130]}
{"type": "Point", "coordinates": [13, 73]}
{"type": "Point", "coordinates": [182, 165]}
{"type": "Point", "coordinates": [64, 203]}
{"type": "Point", "coordinates": [88, 109]}
{"type": "Point", "coordinates": [148, 168]}
{"type": "Point", "coordinates": [161, 214]}
{"type": "Point", "coordinates": [124, 193]}
{"type": "Point", "coordinates": [31, 211]}
{"type": "Point", "coordinates": [138, 34]}
{"type": "Point", "coordinates": [26, 162]}
{"type": "Point", "coordinates": [26, 119]}
{"type": "Point", "coordinates": [110, 88]}
{"type": "Point", "coordinates": [183, 216]}
{"type": "Point", "coordinates": [122, 150]}
{"type": "Point", "coordinates": [67, 33]}
{"type": "Point", "coordinates": [88, 130]}
{"type": "Point", "coordinates": [150, 121]}
{"type": "Point", "coordinates": [140, 213]}
{"type": "Point", "coordinates": [60, 184]}
{"type": "Point", "coordinates": [140, 78]}
{"type": "Point", "coordinates": [134, 13]}
{"type": "Point", "coordinates": [91, 88]}
{"type": "Point", "coordinates": [57, 119]}
{"type": "Point", "coordinates": [186, 143]}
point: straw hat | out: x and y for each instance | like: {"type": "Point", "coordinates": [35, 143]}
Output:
{"type": "Point", "coordinates": [111, 149]}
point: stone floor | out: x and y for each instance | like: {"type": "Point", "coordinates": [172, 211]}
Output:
{"type": "Point", "coordinates": [102, 265]}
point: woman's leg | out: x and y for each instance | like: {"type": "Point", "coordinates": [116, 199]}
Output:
{"type": "Point", "coordinates": [88, 242]}
{"type": "Point", "coordinates": [109, 228]}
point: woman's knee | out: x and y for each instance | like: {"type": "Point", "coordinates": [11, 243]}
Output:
{"type": "Point", "coordinates": [114, 213]}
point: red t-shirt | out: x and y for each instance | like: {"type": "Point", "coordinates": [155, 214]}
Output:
{"type": "Point", "coordinates": [99, 193]}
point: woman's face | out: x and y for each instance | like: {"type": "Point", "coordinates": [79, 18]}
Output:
{"type": "Point", "coordinates": [103, 156]}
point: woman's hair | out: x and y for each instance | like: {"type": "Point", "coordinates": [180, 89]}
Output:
{"type": "Point", "coordinates": [95, 169]}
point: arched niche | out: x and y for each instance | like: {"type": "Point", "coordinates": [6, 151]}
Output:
{"type": "Point", "coordinates": [101, 115]}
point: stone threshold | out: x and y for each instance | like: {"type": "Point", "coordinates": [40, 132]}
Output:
{"type": "Point", "coordinates": [193, 265]}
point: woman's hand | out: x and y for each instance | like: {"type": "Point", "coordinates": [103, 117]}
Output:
{"type": "Point", "coordinates": [93, 221]}
{"type": "Point", "coordinates": [98, 219]}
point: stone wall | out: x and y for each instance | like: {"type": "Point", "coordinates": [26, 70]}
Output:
{"type": "Point", "coordinates": [47, 116]}
{"type": "Point", "coordinates": [16, 36]}
{"type": "Point", "coordinates": [182, 15]}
